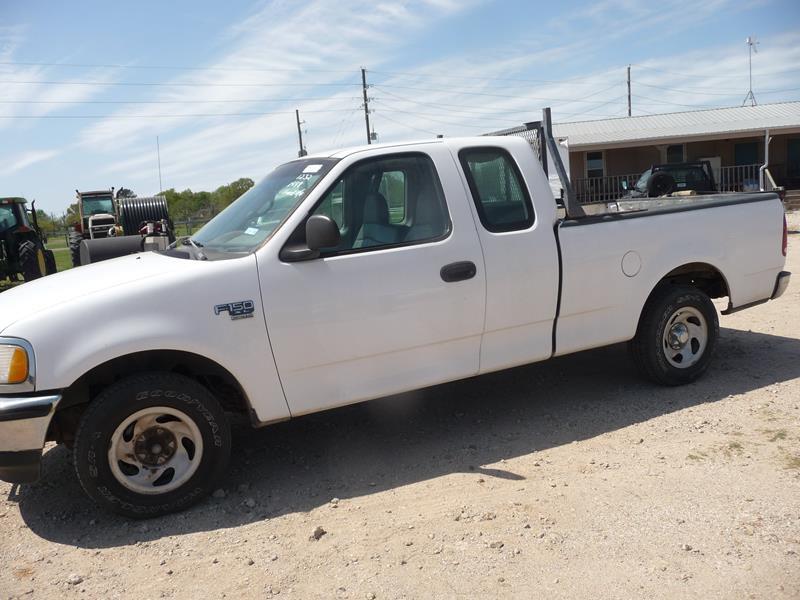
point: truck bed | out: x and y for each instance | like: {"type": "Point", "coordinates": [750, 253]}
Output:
{"type": "Point", "coordinates": [642, 207]}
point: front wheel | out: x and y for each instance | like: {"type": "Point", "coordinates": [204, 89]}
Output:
{"type": "Point", "coordinates": [677, 335]}
{"type": "Point", "coordinates": [151, 444]}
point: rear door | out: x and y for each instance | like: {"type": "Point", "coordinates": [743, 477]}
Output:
{"type": "Point", "coordinates": [399, 304]}
{"type": "Point", "coordinates": [520, 253]}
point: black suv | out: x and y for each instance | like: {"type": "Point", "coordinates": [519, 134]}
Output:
{"type": "Point", "coordinates": [660, 180]}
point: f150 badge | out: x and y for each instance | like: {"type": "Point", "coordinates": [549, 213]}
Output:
{"type": "Point", "coordinates": [237, 310]}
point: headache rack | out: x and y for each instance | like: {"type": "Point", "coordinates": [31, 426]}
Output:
{"type": "Point", "coordinates": [539, 134]}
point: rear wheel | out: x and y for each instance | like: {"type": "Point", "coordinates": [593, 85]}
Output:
{"type": "Point", "coordinates": [75, 240]}
{"type": "Point", "coordinates": [31, 260]}
{"type": "Point", "coordinates": [151, 444]}
{"type": "Point", "coordinates": [677, 335]}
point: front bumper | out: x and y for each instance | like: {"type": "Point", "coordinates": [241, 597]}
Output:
{"type": "Point", "coordinates": [23, 426]}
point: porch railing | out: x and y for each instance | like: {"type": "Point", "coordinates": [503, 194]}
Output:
{"type": "Point", "coordinates": [602, 189]}
{"type": "Point", "coordinates": [741, 178]}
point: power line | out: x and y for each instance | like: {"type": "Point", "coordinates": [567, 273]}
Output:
{"type": "Point", "coordinates": [223, 101]}
{"type": "Point", "coordinates": [182, 115]}
{"type": "Point", "coordinates": [414, 113]}
{"type": "Point", "coordinates": [656, 102]}
{"type": "Point", "coordinates": [460, 107]}
{"type": "Point", "coordinates": [172, 67]}
{"type": "Point", "coordinates": [408, 126]}
{"type": "Point", "coordinates": [708, 93]}
{"type": "Point", "coordinates": [715, 75]}
{"type": "Point", "coordinates": [570, 81]}
{"type": "Point", "coordinates": [460, 92]}
{"type": "Point", "coordinates": [176, 83]}
{"type": "Point", "coordinates": [484, 117]}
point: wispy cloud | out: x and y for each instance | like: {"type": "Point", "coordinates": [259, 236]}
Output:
{"type": "Point", "coordinates": [25, 160]}
{"type": "Point", "coordinates": [267, 61]}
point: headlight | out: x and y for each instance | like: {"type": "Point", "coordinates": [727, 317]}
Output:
{"type": "Point", "coordinates": [14, 364]}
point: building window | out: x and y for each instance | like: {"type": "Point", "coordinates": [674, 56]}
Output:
{"type": "Point", "coordinates": [745, 153]}
{"type": "Point", "coordinates": [594, 164]}
{"type": "Point", "coordinates": [675, 153]}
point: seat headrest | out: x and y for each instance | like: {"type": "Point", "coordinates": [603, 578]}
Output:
{"type": "Point", "coordinates": [376, 209]}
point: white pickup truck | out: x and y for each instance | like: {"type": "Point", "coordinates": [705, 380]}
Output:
{"type": "Point", "coordinates": [349, 276]}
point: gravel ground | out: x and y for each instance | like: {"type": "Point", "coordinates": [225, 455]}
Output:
{"type": "Point", "coordinates": [568, 479]}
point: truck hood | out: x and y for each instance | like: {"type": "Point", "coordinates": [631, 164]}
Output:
{"type": "Point", "coordinates": [37, 296]}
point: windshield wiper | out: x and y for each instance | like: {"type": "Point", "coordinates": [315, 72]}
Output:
{"type": "Point", "coordinates": [188, 241]}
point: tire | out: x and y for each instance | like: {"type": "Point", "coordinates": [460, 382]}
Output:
{"type": "Point", "coordinates": [676, 336]}
{"type": "Point", "coordinates": [128, 420]}
{"type": "Point", "coordinates": [50, 262]}
{"type": "Point", "coordinates": [660, 184]}
{"type": "Point", "coordinates": [75, 240]}
{"type": "Point", "coordinates": [31, 260]}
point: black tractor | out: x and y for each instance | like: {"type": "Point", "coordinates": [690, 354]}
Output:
{"type": "Point", "coordinates": [22, 250]}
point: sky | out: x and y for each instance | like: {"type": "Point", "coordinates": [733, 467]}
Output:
{"type": "Point", "coordinates": [87, 87]}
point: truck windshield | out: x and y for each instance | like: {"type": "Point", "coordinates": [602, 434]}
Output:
{"type": "Point", "coordinates": [98, 206]}
{"type": "Point", "coordinates": [253, 217]}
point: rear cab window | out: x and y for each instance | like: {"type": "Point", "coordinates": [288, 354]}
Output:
{"type": "Point", "coordinates": [498, 189]}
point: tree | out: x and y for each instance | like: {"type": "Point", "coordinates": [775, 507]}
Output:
{"type": "Point", "coordinates": [126, 193]}
{"type": "Point", "coordinates": [187, 204]}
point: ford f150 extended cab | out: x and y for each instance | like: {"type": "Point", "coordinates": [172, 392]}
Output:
{"type": "Point", "coordinates": [349, 276]}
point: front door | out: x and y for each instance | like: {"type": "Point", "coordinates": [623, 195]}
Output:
{"type": "Point", "coordinates": [375, 316]}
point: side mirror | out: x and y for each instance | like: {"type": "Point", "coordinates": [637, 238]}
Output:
{"type": "Point", "coordinates": [624, 184]}
{"type": "Point", "coordinates": [321, 232]}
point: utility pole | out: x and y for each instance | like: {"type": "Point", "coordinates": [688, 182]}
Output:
{"type": "Point", "coordinates": [629, 90]}
{"type": "Point", "coordinates": [158, 154]}
{"type": "Point", "coordinates": [302, 151]}
{"type": "Point", "coordinates": [366, 102]}
{"type": "Point", "coordinates": [751, 47]}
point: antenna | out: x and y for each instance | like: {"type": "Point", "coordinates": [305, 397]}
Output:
{"type": "Point", "coordinates": [302, 152]}
{"type": "Point", "coordinates": [158, 154]}
{"type": "Point", "coordinates": [752, 46]}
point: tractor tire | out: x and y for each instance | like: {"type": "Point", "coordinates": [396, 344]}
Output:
{"type": "Point", "coordinates": [31, 261]}
{"type": "Point", "coordinates": [75, 240]}
{"type": "Point", "coordinates": [50, 262]}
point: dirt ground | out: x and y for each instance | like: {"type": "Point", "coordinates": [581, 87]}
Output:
{"type": "Point", "coordinates": [567, 479]}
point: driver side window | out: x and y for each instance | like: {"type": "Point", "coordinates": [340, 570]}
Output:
{"type": "Point", "coordinates": [390, 201]}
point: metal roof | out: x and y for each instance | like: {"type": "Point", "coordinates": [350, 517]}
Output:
{"type": "Point", "coordinates": [710, 123]}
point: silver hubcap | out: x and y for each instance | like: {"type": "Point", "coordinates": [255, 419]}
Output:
{"type": "Point", "coordinates": [155, 450]}
{"type": "Point", "coordinates": [685, 337]}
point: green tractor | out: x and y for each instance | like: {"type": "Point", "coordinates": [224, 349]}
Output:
{"type": "Point", "coordinates": [22, 250]}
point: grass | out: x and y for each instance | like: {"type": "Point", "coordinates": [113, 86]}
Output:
{"type": "Point", "coordinates": [63, 258]}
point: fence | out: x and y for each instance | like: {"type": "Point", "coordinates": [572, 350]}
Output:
{"type": "Point", "coordinates": [602, 189]}
{"type": "Point", "coordinates": [741, 178]}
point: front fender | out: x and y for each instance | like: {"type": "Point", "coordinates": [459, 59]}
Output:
{"type": "Point", "coordinates": [174, 312]}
